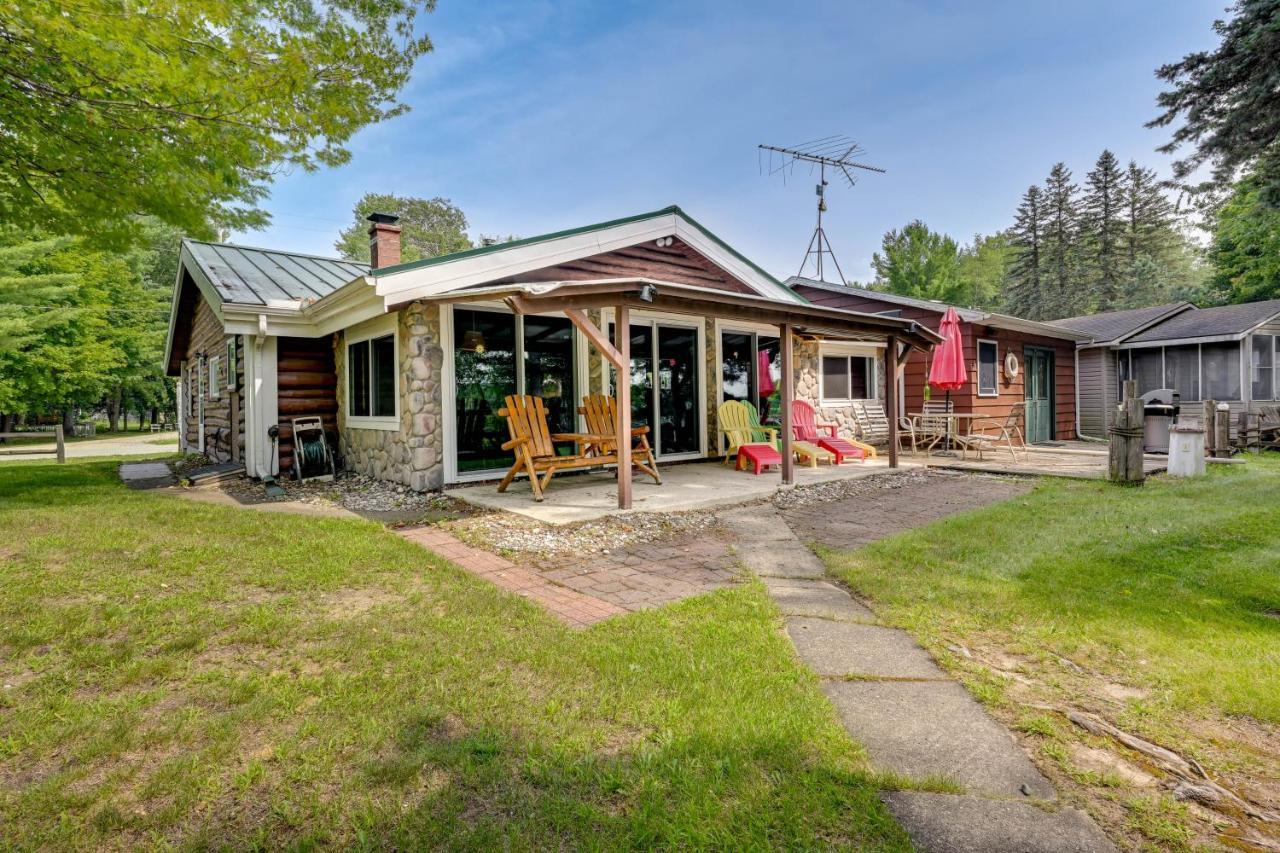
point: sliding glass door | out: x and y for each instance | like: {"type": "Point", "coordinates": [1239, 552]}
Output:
{"type": "Point", "coordinates": [496, 353]}
{"type": "Point", "coordinates": [666, 385]}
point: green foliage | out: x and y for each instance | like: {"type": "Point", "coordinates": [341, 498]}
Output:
{"type": "Point", "coordinates": [185, 111]}
{"type": "Point", "coordinates": [1117, 245]}
{"type": "Point", "coordinates": [1226, 99]}
{"type": "Point", "coordinates": [78, 323]}
{"type": "Point", "coordinates": [429, 227]}
{"type": "Point", "coordinates": [1245, 252]}
{"type": "Point", "coordinates": [920, 263]}
{"type": "Point", "coordinates": [984, 264]}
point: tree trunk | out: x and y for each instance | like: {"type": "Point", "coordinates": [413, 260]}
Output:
{"type": "Point", "coordinates": [113, 411]}
{"type": "Point", "coordinates": [69, 420]}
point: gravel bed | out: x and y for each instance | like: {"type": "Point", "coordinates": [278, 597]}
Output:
{"type": "Point", "coordinates": [516, 534]}
{"type": "Point", "coordinates": [835, 490]}
{"type": "Point", "coordinates": [355, 492]}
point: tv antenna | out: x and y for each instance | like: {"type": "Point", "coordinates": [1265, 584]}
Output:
{"type": "Point", "coordinates": [838, 153]}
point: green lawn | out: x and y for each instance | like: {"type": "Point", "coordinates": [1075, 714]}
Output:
{"type": "Point", "coordinates": [190, 675]}
{"type": "Point", "coordinates": [1168, 597]}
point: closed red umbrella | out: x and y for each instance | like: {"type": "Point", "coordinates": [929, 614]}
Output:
{"type": "Point", "coordinates": [948, 371]}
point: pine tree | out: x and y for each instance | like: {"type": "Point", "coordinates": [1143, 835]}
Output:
{"type": "Point", "coordinates": [1024, 289]}
{"type": "Point", "coordinates": [1102, 228]}
{"type": "Point", "coordinates": [1062, 295]}
{"type": "Point", "coordinates": [1148, 217]}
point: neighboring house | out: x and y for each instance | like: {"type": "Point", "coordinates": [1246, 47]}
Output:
{"type": "Point", "coordinates": [1228, 354]}
{"type": "Point", "coordinates": [409, 363]}
{"type": "Point", "coordinates": [1010, 361]}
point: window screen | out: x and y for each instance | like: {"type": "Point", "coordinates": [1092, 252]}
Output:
{"type": "Point", "coordinates": [1148, 369]}
{"type": "Point", "coordinates": [384, 376]}
{"type": "Point", "coordinates": [835, 377]}
{"type": "Point", "coordinates": [1182, 371]}
{"type": "Point", "coordinates": [988, 357]}
{"type": "Point", "coordinates": [1220, 371]}
{"type": "Point", "coordinates": [1262, 367]}
{"type": "Point", "coordinates": [358, 379]}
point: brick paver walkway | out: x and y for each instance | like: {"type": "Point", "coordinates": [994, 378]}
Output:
{"type": "Point", "coordinates": [651, 574]}
{"type": "Point", "coordinates": [570, 605]}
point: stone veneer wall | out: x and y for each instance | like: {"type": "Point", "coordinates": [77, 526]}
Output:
{"type": "Point", "coordinates": [807, 388]}
{"type": "Point", "coordinates": [414, 454]}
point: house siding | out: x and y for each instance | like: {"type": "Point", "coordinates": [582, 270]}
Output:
{"type": "Point", "coordinates": [306, 382]}
{"type": "Point", "coordinates": [1010, 389]}
{"type": "Point", "coordinates": [207, 336]}
{"type": "Point", "coordinates": [413, 454]}
{"type": "Point", "coordinates": [1096, 380]}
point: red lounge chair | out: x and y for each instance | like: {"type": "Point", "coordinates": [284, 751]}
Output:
{"type": "Point", "coordinates": [805, 426]}
{"type": "Point", "coordinates": [759, 456]}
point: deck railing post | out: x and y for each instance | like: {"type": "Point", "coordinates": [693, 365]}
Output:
{"type": "Point", "coordinates": [622, 343]}
{"type": "Point", "coordinates": [788, 395]}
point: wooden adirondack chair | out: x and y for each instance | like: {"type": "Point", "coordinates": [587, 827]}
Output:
{"type": "Point", "coordinates": [534, 445]}
{"type": "Point", "coordinates": [600, 411]}
{"type": "Point", "coordinates": [736, 425]}
{"type": "Point", "coordinates": [805, 427]}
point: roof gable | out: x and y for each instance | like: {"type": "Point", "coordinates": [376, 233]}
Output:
{"type": "Point", "coordinates": [1223, 321]}
{"type": "Point", "coordinates": [1114, 325]}
{"type": "Point", "coordinates": [667, 241]}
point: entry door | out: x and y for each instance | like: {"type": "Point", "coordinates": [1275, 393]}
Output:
{"type": "Point", "coordinates": [666, 386]}
{"type": "Point", "coordinates": [1038, 391]}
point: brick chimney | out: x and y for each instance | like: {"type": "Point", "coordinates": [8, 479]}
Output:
{"type": "Point", "coordinates": [384, 240]}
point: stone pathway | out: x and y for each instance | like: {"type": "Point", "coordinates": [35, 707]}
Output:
{"type": "Point", "coordinates": [891, 696]}
{"type": "Point", "coordinates": [146, 475]}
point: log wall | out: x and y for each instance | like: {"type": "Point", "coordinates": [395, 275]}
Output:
{"type": "Point", "coordinates": [206, 336]}
{"type": "Point", "coordinates": [307, 381]}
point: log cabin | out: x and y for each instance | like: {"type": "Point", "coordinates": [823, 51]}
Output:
{"type": "Point", "coordinates": [409, 363]}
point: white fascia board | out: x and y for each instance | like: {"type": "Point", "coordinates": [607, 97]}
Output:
{"type": "Point", "coordinates": [466, 272]}
{"type": "Point", "coordinates": [1173, 342]}
{"type": "Point", "coordinates": [243, 320]}
{"type": "Point", "coordinates": [354, 302]}
{"type": "Point", "coordinates": [438, 279]}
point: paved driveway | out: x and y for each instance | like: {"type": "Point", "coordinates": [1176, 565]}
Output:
{"type": "Point", "coordinates": [136, 444]}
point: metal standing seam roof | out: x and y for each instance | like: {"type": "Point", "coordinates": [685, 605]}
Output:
{"type": "Point", "coordinates": [1223, 321]}
{"type": "Point", "coordinates": [253, 276]}
{"type": "Point", "coordinates": [1113, 325]}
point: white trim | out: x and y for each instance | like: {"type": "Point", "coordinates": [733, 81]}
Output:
{"type": "Point", "coordinates": [261, 407]}
{"type": "Point", "coordinates": [468, 271]}
{"type": "Point", "coordinates": [977, 368]}
{"type": "Point", "coordinates": [369, 330]}
{"type": "Point", "coordinates": [839, 349]}
{"type": "Point", "coordinates": [181, 398]}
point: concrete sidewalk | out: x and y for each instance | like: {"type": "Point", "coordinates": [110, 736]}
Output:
{"type": "Point", "coordinates": [912, 718]}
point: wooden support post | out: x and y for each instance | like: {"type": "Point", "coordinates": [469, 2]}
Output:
{"type": "Point", "coordinates": [62, 445]}
{"type": "Point", "coordinates": [788, 395]}
{"type": "Point", "coordinates": [1222, 433]}
{"type": "Point", "coordinates": [1124, 464]}
{"type": "Point", "coordinates": [892, 362]}
{"type": "Point", "coordinates": [622, 346]}
{"type": "Point", "coordinates": [1209, 419]}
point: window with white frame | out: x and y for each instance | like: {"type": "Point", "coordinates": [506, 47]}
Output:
{"type": "Point", "coordinates": [988, 369]}
{"type": "Point", "coordinates": [372, 384]}
{"type": "Point", "coordinates": [847, 376]}
{"type": "Point", "coordinates": [215, 377]}
{"type": "Point", "coordinates": [1262, 367]}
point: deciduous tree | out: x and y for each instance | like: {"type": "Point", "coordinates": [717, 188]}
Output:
{"type": "Point", "coordinates": [183, 110]}
{"type": "Point", "coordinates": [430, 227]}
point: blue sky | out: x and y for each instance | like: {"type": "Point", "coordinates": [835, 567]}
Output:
{"type": "Point", "coordinates": [536, 116]}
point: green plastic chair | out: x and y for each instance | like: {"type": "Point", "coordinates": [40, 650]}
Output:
{"type": "Point", "coordinates": [760, 434]}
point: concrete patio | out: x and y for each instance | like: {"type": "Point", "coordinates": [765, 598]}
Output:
{"type": "Point", "coordinates": [689, 486]}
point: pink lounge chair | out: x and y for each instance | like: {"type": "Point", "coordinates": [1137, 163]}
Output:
{"type": "Point", "coordinates": [805, 427]}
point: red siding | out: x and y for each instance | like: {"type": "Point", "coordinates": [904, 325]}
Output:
{"type": "Point", "coordinates": [966, 399]}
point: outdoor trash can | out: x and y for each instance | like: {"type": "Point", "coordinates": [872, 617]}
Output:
{"type": "Point", "coordinates": [1186, 450]}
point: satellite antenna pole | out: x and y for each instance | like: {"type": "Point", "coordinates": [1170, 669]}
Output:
{"type": "Point", "coordinates": [834, 151]}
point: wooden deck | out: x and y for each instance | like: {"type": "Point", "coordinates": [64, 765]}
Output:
{"type": "Point", "coordinates": [1076, 459]}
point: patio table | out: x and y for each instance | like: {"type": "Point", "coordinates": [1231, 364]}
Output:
{"type": "Point", "coordinates": [953, 420]}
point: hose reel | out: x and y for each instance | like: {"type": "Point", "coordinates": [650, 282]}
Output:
{"type": "Point", "coordinates": [312, 458]}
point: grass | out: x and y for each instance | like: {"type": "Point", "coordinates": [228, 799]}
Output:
{"type": "Point", "coordinates": [1156, 607]}
{"type": "Point", "coordinates": [180, 674]}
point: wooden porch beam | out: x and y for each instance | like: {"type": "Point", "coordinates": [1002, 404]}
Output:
{"type": "Point", "coordinates": [894, 361]}
{"type": "Point", "coordinates": [597, 338]}
{"type": "Point", "coordinates": [788, 395]}
{"type": "Point", "coordinates": [622, 387]}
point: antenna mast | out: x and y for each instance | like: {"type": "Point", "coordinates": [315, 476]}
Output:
{"type": "Point", "coordinates": [837, 152]}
